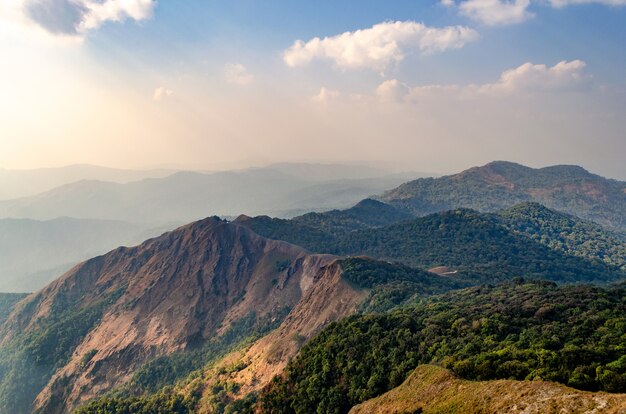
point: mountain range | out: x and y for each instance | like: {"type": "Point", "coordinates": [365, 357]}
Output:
{"type": "Point", "coordinates": [44, 235]}
{"type": "Point", "coordinates": [497, 185]}
{"type": "Point", "coordinates": [25, 183]}
{"type": "Point", "coordinates": [329, 310]}
{"type": "Point", "coordinates": [186, 196]}
{"type": "Point", "coordinates": [479, 246]}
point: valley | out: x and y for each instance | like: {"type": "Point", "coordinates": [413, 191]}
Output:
{"type": "Point", "coordinates": [222, 316]}
{"type": "Point", "coordinates": [329, 207]}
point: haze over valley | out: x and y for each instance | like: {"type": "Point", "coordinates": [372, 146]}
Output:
{"type": "Point", "coordinates": [292, 208]}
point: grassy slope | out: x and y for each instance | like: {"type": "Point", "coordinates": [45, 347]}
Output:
{"type": "Point", "coordinates": [434, 390]}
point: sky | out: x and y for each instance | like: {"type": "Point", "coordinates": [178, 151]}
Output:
{"type": "Point", "coordinates": [435, 86]}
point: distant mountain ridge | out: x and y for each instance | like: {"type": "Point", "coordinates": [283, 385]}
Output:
{"type": "Point", "coordinates": [44, 235]}
{"type": "Point", "coordinates": [188, 196]}
{"type": "Point", "coordinates": [25, 183]}
{"type": "Point", "coordinates": [501, 184]}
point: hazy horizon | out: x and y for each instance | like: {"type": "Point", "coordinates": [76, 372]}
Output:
{"type": "Point", "coordinates": [383, 167]}
{"type": "Point", "coordinates": [437, 86]}
{"type": "Point", "coordinates": [338, 206]}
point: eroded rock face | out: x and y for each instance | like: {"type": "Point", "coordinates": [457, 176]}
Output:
{"type": "Point", "coordinates": [330, 298]}
{"type": "Point", "coordinates": [169, 294]}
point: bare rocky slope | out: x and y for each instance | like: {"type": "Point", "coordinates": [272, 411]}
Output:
{"type": "Point", "coordinates": [88, 331]}
{"type": "Point", "coordinates": [434, 390]}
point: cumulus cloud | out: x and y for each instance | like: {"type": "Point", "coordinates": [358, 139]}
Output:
{"type": "Point", "coordinates": [379, 46]}
{"type": "Point", "coordinates": [325, 95]}
{"type": "Point", "coordinates": [526, 79]}
{"type": "Point", "coordinates": [237, 74]}
{"type": "Point", "coordinates": [76, 17]}
{"type": "Point", "coordinates": [161, 93]}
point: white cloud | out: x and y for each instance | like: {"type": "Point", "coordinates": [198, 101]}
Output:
{"type": "Point", "coordinates": [496, 12]}
{"type": "Point", "coordinates": [379, 46]}
{"type": "Point", "coordinates": [115, 11]}
{"type": "Point", "coordinates": [563, 77]}
{"type": "Point", "coordinates": [392, 90]}
{"type": "Point", "coordinates": [325, 95]}
{"type": "Point", "coordinates": [74, 18]}
{"type": "Point", "coordinates": [237, 74]}
{"type": "Point", "coordinates": [161, 93]}
{"type": "Point", "coordinates": [526, 79]}
{"type": "Point", "coordinates": [505, 12]}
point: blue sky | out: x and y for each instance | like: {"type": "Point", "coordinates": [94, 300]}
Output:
{"type": "Point", "coordinates": [251, 29]}
{"type": "Point", "coordinates": [430, 85]}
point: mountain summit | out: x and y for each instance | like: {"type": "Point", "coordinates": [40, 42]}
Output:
{"type": "Point", "coordinates": [88, 331]}
{"type": "Point", "coordinates": [501, 184]}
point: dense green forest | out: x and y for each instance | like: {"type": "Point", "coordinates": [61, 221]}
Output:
{"type": "Point", "coordinates": [475, 244]}
{"type": "Point", "coordinates": [163, 402]}
{"type": "Point", "coordinates": [482, 247]}
{"type": "Point", "coordinates": [575, 335]}
{"type": "Point", "coordinates": [392, 285]}
{"type": "Point", "coordinates": [366, 214]}
{"type": "Point", "coordinates": [566, 233]}
{"type": "Point", "coordinates": [319, 231]}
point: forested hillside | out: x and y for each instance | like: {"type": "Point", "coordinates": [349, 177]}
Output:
{"type": "Point", "coordinates": [501, 184]}
{"type": "Point", "coordinates": [480, 246]}
{"type": "Point", "coordinates": [519, 330]}
{"type": "Point", "coordinates": [566, 233]}
{"type": "Point", "coordinates": [201, 318]}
